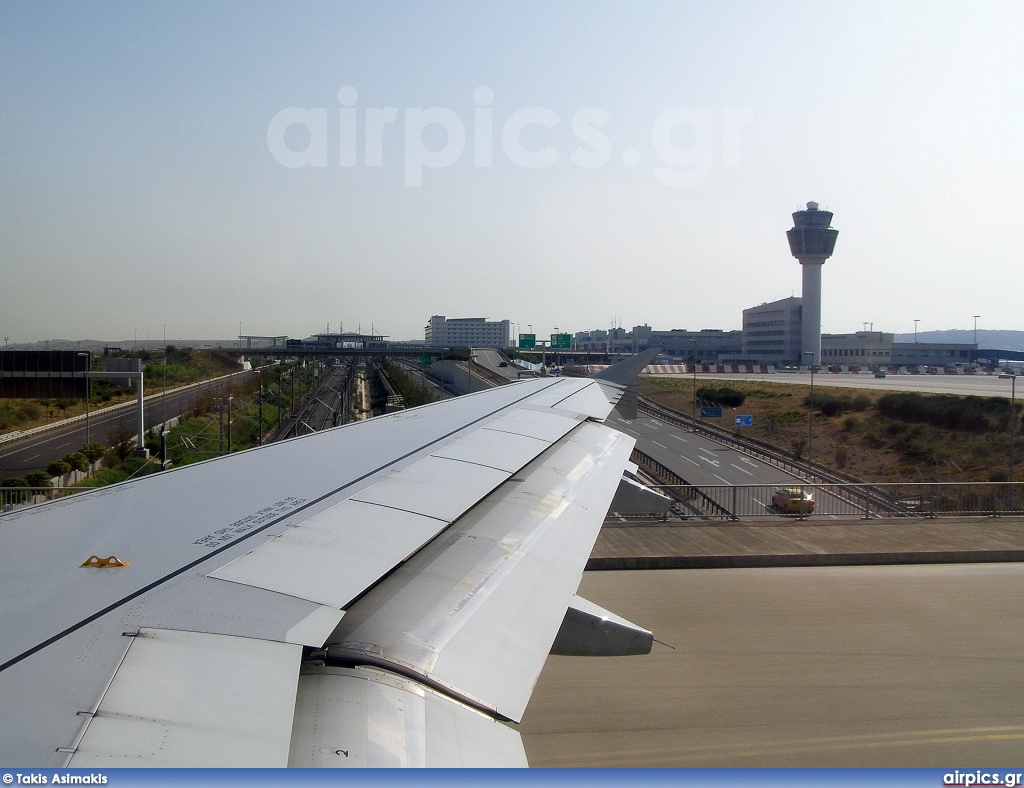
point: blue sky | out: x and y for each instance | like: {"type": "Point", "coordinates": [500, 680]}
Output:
{"type": "Point", "coordinates": [140, 188]}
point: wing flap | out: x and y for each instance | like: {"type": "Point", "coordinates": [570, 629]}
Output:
{"type": "Point", "coordinates": [478, 608]}
{"type": "Point", "coordinates": [348, 717]}
{"type": "Point", "coordinates": [193, 699]}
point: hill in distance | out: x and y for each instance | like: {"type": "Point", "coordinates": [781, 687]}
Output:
{"type": "Point", "coordinates": [988, 339]}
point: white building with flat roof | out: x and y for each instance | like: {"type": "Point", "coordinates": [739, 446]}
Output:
{"type": "Point", "coordinates": [442, 331]}
{"type": "Point", "coordinates": [771, 332]}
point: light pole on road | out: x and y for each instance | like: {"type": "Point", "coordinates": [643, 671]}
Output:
{"type": "Point", "coordinates": [810, 411]}
{"type": "Point", "coordinates": [88, 394]}
{"type": "Point", "coordinates": [693, 342]}
{"type": "Point", "coordinates": [1013, 424]}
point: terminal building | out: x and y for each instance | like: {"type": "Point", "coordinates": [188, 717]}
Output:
{"type": "Point", "coordinates": [467, 332]}
{"type": "Point", "coordinates": [772, 332]}
{"type": "Point", "coordinates": [708, 344]}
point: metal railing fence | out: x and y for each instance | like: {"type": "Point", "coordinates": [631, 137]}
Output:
{"type": "Point", "coordinates": [865, 501]}
{"type": "Point", "coordinates": [12, 498]}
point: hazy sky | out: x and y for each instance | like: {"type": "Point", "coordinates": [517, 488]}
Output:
{"type": "Point", "coordinates": [642, 163]}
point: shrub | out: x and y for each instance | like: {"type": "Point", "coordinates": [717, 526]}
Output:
{"type": "Point", "coordinates": [829, 404]}
{"type": "Point", "coordinates": [15, 412]}
{"type": "Point", "coordinates": [38, 479]}
{"type": "Point", "coordinates": [15, 481]}
{"type": "Point", "coordinates": [78, 462]}
{"type": "Point", "coordinates": [93, 451]}
{"type": "Point", "coordinates": [966, 414]}
{"type": "Point", "coordinates": [861, 403]}
{"type": "Point", "coordinates": [722, 396]}
{"type": "Point", "coordinates": [850, 424]}
{"type": "Point", "coordinates": [842, 456]}
{"type": "Point", "coordinates": [58, 468]}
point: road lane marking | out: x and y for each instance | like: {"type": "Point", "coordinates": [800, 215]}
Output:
{"type": "Point", "coordinates": [691, 461]}
{"type": "Point", "coordinates": [716, 463]}
{"type": "Point", "coordinates": [743, 470]}
{"type": "Point", "coordinates": [724, 480]}
{"type": "Point", "coordinates": [680, 439]}
{"type": "Point", "coordinates": [659, 444]}
{"type": "Point", "coordinates": [748, 462]}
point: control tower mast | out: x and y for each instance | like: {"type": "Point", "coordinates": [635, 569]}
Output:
{"type": "Point", "coordinates": [811, 241]}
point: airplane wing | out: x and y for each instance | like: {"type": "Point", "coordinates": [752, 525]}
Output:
{"type": "Point", "coordinates": [380, 594]}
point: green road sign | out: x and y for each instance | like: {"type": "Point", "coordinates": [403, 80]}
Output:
{"type": "Point", "coordinates": [528, 340]}
{"type": "Point", "coordinates": [426, 361]}
{"type": "Point", "coordinates": [561, 341]}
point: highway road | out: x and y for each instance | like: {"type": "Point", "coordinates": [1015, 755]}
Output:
{"type": "Point", "coordinates": [416, 373]}
{"type": "Point", "coordinates": [978, 385]}
{"type": "Point", "coordinates": [456, 376]}
{"type": "Point", "coordinates": [492, 359]}
{"type": "Point", "coordinates": [34, 454]}
{"type": "Point", "coordinates": [894, 666]}
{"type": "Point", "coordinates": [702, 461]}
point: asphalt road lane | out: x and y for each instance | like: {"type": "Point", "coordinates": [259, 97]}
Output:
{"type": "Point", "coordinates": [890, 666]}
{"type": "Point", "coordinates": [702, 461]}
{"type": "Point", "coordinates": [34, 454]}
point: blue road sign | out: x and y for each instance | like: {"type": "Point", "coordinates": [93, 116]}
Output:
{"type": "Point", "coordinates": [745, 421]}
{"type": "Point", "coordinates": [710, 413]}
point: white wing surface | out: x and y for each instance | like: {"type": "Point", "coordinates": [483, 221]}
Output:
{"type": "Point", "coordinates": [380, 594]}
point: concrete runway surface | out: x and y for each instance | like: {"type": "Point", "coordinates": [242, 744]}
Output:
{"type": "Point", "coordinates": [884, 666]}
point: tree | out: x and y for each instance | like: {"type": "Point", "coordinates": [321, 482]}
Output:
{"type": "Point", "coordinates": [58, 468]}
{"type": "Point", "coordinates": [15, 481]}
{"type": "Point", "coordinates": [78, 462]}
{"type": "Point", "coordinates": [38, 479]}
{"type": "Point", "coordinates": [63, 403]}
{"type": "Point", "coordinates": [120, 440]}
{"type": "Point", "coordinates": [93, 451]}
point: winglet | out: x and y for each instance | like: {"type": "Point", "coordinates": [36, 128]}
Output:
{"type": "Point", "coordinates": [624, 373]}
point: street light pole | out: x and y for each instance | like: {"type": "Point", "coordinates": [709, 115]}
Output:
{"type": "Point", "coordinates": [694, 354]}
{"type": "Point", "coordinates": [163, 395]}
{"type": "Point", "coordinates": [1013, 424]}
{"type": "Point", "coordinates": [88, 393]}
{"type": "Point", "coordinates": [1013, 427]}
{"type": "Point", "coordinates": [261, 408]}
{"type": "Point", "coordinates": [810, 412]}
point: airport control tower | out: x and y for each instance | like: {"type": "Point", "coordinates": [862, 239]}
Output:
{"type": "Point", "coordinates": [811, 241]}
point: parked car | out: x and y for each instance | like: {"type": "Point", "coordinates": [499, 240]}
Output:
{"type": "Point", "coordinates": [879, 373]}
{"type": "Point", "coordinates": [793, 500]}
{"type": "Point", "coordinates": [502, 363]}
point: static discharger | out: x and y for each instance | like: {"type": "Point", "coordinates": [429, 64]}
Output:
{"type": "Point", "coordinates": [95, 562]}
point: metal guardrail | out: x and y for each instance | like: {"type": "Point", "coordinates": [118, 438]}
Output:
{"type": "Point", "coordinates": [12, 498]}
{"type": "Point", "coordinates": [766, 453]}
{"type": "Point", "coordinates": [18, 435]}
{"type": "Point", "coordinates": [847, 500]}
